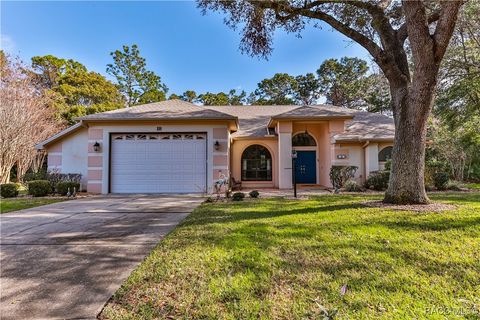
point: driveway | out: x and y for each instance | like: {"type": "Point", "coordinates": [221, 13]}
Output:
{"type": "Point", "coordinates": [65, 260]}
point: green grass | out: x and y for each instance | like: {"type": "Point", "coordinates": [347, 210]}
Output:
{"type": "Point", "coordinates": [9, 205]}
{"type": "Point", "coordinates": [281, 259]}
{"type": "Point", "coordinates": [475, 186]}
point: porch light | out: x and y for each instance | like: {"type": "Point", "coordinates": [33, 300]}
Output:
{"type": "Point", "coordinates": [294, 154]}
{"type": "Point", "coordinates": [96, 146]}
{"type": "Point", "coordinates": [217, 145]}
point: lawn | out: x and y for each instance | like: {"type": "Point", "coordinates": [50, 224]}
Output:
{"type": "Point", "coordinates": [9, 205]}
{"type": "Point", "coordinates": [284, 259]}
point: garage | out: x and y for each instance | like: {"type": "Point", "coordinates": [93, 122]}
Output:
{"type": "Point", "coordinates": [158, 163]}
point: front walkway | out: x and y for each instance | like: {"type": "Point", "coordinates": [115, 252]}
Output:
{"type": "Point", "coordinates": [65, 260]}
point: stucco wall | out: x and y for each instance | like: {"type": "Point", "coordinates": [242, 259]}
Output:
{"type": "Point", "coordinates": [355, 157]}
{"type": "Point", "coordinates": [69, 155]}
{"type": "Point", "coordinates": [237, 148]}
{"type": "Point", "coordinates": [216, 160]}
{"type": "Point", "coordinates": [320, 132]}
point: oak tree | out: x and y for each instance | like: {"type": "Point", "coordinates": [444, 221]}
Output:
{"type": "Point", "coordinates": [387, 29]}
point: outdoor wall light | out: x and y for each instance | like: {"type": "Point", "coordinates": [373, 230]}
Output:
{"type": "Point", "coordinates": [96, 146]}
{"type": "Point", "coordinates": [341, 156]}
{"type": "Point", "coordinates": [217, 145]}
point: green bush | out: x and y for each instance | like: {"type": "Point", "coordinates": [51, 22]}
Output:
{"type": "Point", "coordinates": [254, 194]}
{"type": "Point", "coordinates": [32, 176]}
{"type": "Point", "coordinates": [39, 188]}
{"type": "Point", "coordinates": [63, 186]}
{"type": "Point", "coordinates": [440, 180]}
{"type": "Point", "coordinates": [9, 190]}
{"type": "Point", "coordinates": [238, 196]}
{"type": "Point", "coordinates": [352, 186]}
{"type": "Point", "coordinates": [388, 165]}
{"type": "Point", "coordinates": [454, 185]}
{"type": "Point", "coordinates": [340, 174]}
{"type": "Point", "coordinates": [378, 180]}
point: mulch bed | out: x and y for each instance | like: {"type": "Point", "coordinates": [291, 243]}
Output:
{"type": "Point", "coordinates": [431, 207]}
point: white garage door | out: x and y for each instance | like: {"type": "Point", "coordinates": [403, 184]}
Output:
{"type": "Point", "coordinates": [158, 163]}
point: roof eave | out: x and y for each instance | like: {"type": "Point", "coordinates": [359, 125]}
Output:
{"type": "Point", "coordinates": [61, 134]}
{"type": "Point", "coordinates": [273, 120]}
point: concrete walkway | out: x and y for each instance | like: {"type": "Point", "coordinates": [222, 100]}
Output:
{"type": "Point", "coordinates": [65, 260]}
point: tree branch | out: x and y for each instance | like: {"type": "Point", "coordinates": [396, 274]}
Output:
{"type": "Point", "coordinates": [445, 27]}
{"type": "Point", "coordinates": [402, 33]}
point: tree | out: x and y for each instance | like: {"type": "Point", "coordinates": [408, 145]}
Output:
{"type": "Point", "coordinates": [344, 82]}
{"type": "Point", "coordinates": [134, 81]}
{"type": "Point", "coordinates": [307, 90]}
{"type": "Point", "coordinates": [73, 90]}
{"type": "Point", "coordinates": [189, 96]}
{"type": "Point", "coordinates": [278, 90]}
{"type": "Point", "coordinates": [387, 29]}
{"type": "Point", "coordinates": [25, 118]}
{"type": "Point", "coordinates": [220, 99]}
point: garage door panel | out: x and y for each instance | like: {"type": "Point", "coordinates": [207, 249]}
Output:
{"type": "Point", "coordinates": [156, 166]}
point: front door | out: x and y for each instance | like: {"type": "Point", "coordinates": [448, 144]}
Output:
{"type": "Point", "coordinates": [306, 167]}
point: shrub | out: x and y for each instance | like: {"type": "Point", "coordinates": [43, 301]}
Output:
{"type": "Point", "coordinates": [31, 176]}
{"type": "Point", "coordinates": [63, 186]}
{"type": "Point", "coordinates": [55, 177]}
{"type": "Point", "coordinates": [254, 194]}
{"type": "Point", "coordinates": [9, 190]}
{"type": "Point", "coordinates": [454, 185]}
{"type": "Point", "coordinates": [352, 186]}
{"type": "Point", "coordinates": [440, 180]}
{"type": "Point", "coordinates": [378, 180]}
{"type": "Point", "coordinates": [209, 200]}
{"type": "Point", "coordinates": [340, 174]}
{"type": "Point", "coordinates": [388, 165]}
{"type": "Point", "coordinates": [39, 188]}
{"type": "Point", "coordinates": [238, 196]}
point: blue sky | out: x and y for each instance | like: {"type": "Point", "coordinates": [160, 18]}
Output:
{"type": "Point", "coordinates": [188, 50]}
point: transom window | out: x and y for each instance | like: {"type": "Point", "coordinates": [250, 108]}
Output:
{"type": "Point", "coordinates": [157, 136]}
{"type": "Point", "coordinates": [256, 164]}
{"type": "Point", "coordinates": [385, 154]}
{"type": "Point", "coordinates": [303, 140]}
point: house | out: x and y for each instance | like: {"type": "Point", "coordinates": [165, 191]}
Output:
{"type": "Point", "coordinates": [176, 146]}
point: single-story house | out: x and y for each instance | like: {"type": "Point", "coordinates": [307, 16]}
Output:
{"type": "Point", "coordinates": [177, 146]}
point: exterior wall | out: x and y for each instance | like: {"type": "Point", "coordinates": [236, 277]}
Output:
{"type": "Point", "coordinates": [221, 156]}
{"type": "Point", "coordinates": [284, 130]}
{"type": "Point", "coordinates": [355, 157]}
{"type": "Point", "coordinates": [216, 160]}
{"type": "Point", "coordinates": [320, 133]}
{"type": "Point", "coordinates": [237, 148]}
{"type": "Point", "coordinates": [95, 160]}
{"type": "Point", "coordinates": [69, 155]}
{"type": "Point", "coordinates": [371, 158]}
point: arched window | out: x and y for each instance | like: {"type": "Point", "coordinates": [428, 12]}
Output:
{"type": "Point", "coordinates": [303, 140]}
{"type": "Point", "coordinates": [385, 154]}
{"type": "Point", "coordinates": [256, 164]}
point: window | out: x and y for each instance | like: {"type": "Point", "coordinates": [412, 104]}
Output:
{"type": "Point", "coordinates": [385, 154]}
{"type": "Point", "coordinates": [256, 164]}
{"type": "Point", "coordinates": [303, 140]}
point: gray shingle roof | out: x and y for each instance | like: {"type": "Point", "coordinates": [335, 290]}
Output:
{"type": "Point", "coordinates": [169, 110]}
{"type": "Point", "coordinates": [367, 126]}
{"type": "Point", "coordinates": [253, 120]}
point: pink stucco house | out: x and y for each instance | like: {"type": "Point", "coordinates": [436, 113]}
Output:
{"type": "Point", "coordinates": [176, 146]}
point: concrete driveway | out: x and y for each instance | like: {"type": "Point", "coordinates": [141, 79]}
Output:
{"type": "Point", "coordinates": [65, 260]}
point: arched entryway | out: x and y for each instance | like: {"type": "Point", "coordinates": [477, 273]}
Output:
{"type": "Point", "coordinates": [306, 163]}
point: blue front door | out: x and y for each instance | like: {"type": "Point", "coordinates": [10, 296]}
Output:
{"type": "Point", "coordinates": [306, 167]}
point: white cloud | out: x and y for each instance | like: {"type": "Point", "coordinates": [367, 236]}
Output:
{"type": "Point", "coordinates": [6, 43]}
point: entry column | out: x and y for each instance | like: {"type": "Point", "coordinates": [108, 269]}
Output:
{"type": "Point", "coordinates": [284, 130]}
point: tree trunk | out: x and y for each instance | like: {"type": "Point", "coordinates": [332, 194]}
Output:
{"type": "Point", "coordinates": [412, 105]}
